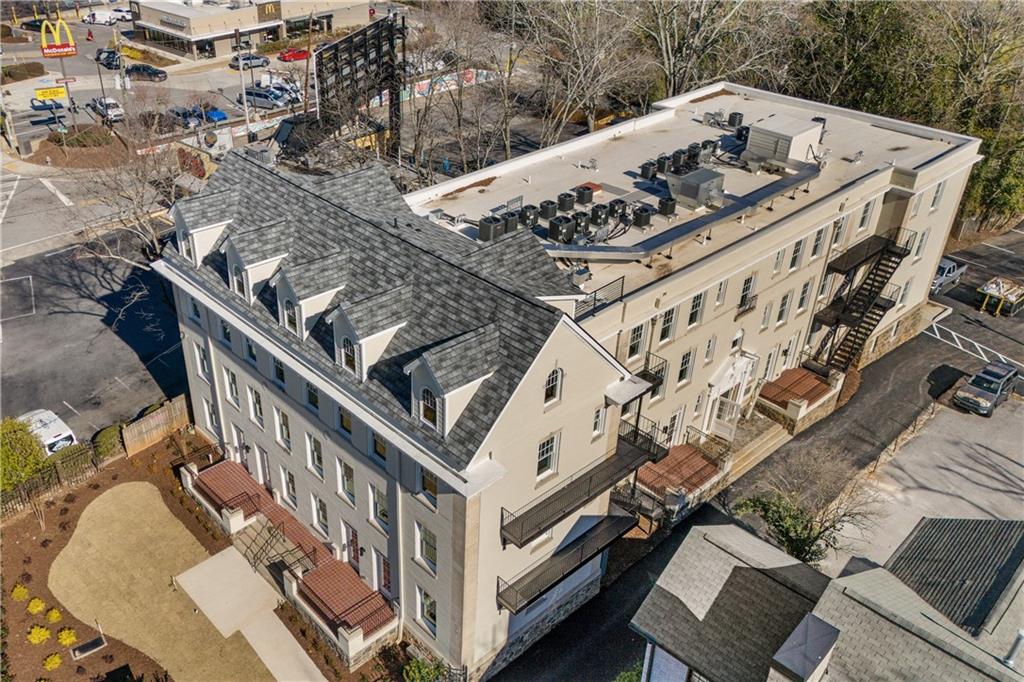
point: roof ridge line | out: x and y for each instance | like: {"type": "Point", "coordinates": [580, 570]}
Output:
{"type": "Point", "coordinates": [540, 305]}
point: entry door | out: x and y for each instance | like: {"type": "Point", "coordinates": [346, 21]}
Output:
{"type": "Point", "coordinates": [265, 477]}
{"type": "Point", "coordinates": [243, 456]}
{"type": "Point", "coordinates": [726, 416]}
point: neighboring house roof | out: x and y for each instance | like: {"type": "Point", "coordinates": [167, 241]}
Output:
{"type": "Point", "coordinates": [962, 567]}
{"type": "Point", "coordinates": [888, 632]}
{"type": "Point", "coordinates": [447, 299]}
{"type": "Point", "coordinates": [726, 602]}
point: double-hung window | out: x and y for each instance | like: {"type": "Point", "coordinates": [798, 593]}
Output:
{"type": "Point", "coordinates": [598, 425]}
{"type": "Point", "coordinates": [284, 430]}
{"type": "Point", "coordinates": [321, 515]}
{"type": "Point", "coordinates": [428, 407]}
{"type": "Point", "coordinates": [838, 230]}
{"type": "Point", "coordinates": [427, 610]}
{"type": "Point", "coordinates": [921, 244]}
{"type": "Point", "coordinates": [312, 397]}
{"type": "Point", "coordinates": [279, 372]}
{"type": "Point", "coordinates": [794, 259]}
{"type": "Point", "coordinates": [668, 321]}
{"type": "Point", "coordinates": [906, 292]}
{"type": "Point", "coordinates": [865, 215]}
{"type": "Point", "coordinates": [250, 350]}
{"type": "Point", "coordinates": [186, 247]}
{"type": "Point", "coordinates": [344, 422]}
{"type": "Point", "coordinates": [805, 294]}
{"type": "Point", "coordinates": [315, 453]}
{"type": "Point", "coordinates": [709, 349]}
{"type": "Point", "coordinates": [685, 367]}
{"type": "Point", "coordinates": [553, 386]}
{"type": "Point", "coordinates": [256, 406]}
{"type": "Point", "coordinates": [380, 507]}
{"type": "Point", "coordinates": [291, 317]}
{"type": "Point", "coordinates": [428, 485]}
{"type": "Point", "coordinates": [766, 315]}
{"type": "Point", "coordinates": [636, 342]}
{"type": "Point", "coordinates": [212, 419]}
{"type": "Point", "coordinates": [426, 547]}
{"type": "Point", "coordinates": [746, 292]}
{"type": "Point", "coordinates": [937, 197]}
{"type": "Point", "coordinates": [696, 309]}
{"type": "Point", "coordinates": [348, 355]}
{"type": "Point", "coordinates": [547, 455]}
{"type": "Point", "coordinates": [819, 242]}
{"type": "Point", "coordinates": [232, 385]}
{"type": "Point", "coordinates": [238, 281]}
{"type": "Point", "coordinates": [225, 332]}
{"type": "Point", "coordinates": [780, 255]}
{"type": "Point", "coordinates": [783, 309]}
{"type": "Point", "coordinates": [289, 487]}
{"type": "Point", "coordinates": [194, 310]}
{"type": "Point", "coordinates": [203, 359]}
{"type": "Point", "coordinates": [720, 292]}
{"type": "Point", "coordinates": [346, 481]}
{"type": "Point", "coordinates": [379, 448]}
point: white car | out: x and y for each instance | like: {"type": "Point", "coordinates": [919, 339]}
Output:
{"type": "Point", "coordinates": [105, 18]}
{"type": "Point", "coordinates": [49, 429]}
{"type": "Point", "coordinates": [122, 13]}
{"type": "Point", "coordinates": [107, 108]}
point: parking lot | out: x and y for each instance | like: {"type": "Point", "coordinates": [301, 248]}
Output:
{"type": "Point", "coordinates": [959, 466]}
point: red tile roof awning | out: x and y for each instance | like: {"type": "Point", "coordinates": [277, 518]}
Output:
{"type": "Point", "coordinates": [793, 384]}
{"type": "Point", "coordinates": [684, 468]}
{"type": "Point", "coordinates": [333, 587]}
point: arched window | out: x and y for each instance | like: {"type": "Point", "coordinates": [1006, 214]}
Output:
{"type": "Point", "coordinates": [428, 407]}
{"type": "Point", "coordinates": [553, 386]}
{"type": "Point", "coordinates": [348, 355]}
{"type": "Point", "coordinates": [291, 320]}
{"type": "Point", "coordinates": [237, 281]}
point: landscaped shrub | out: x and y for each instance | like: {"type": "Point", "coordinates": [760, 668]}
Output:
{"type": "Point", "coordinates": [36, 605]}
{"type": "Point", "coordinates": [23, 71]}
{"type": "Point", "coordinates": [67, 636]}
{"type": "Point", "coordinates": [420, 670]}
{"type": "Point", "coordinates": [82, 137]}
{"type": "Point", "coordinates": [107, 442]}
{"type": "Point", "coordinates": [37, 634]}
{"type": "Point", "coordinates": [53, 615]}
{"type": "Point", "coordinates": [19, 592]}
{"type": "Point", "coordinates": [52, 662]}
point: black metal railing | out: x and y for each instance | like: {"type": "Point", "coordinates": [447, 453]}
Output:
{"type": "Point", "coordinates": [246, 502]}
{"type": "Point", "coordinates": [746, 304]}
{"type": "Point", "coordinates": [890, 296]}
{"type": "Point", "coordinates": [712, 446]}
{"type": "Point", "coordinates": [901, 240]}
{"type": "Point", "coordinates": [600, 297]}
{"type": "Point", "coordinates": [643, 433]}
{"type": "Point", "coordinates": [517, 593]}
{"type": "Point", "coordinates": [654, 370]}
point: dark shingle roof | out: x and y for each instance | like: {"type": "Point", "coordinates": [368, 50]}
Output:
{"type": "Point", "coordinates": [513, 258]}
{"type": "Point", "coordinates": [726, 602]}
{"type": "Point", "coordinates": [208, 207]}
{"type": "Point", "coordinates": [465, 358]}
{"type": "Point", "coordinates": [378, 311]}
{"type": "Point", "coordinates": [961, 567]}
{"type": "Point", "coordinates": [445, 299]}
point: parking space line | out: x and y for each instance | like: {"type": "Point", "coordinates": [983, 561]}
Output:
{"type": "Point", "coordinates": [31, 294]}
{"type": "Point", "coordinates": [1014, 229]}
{"type": "Point", "coordinates": [7, 190]}
{"type": "Point", "coordinates": [71, 408]}
{"type": "Point", "coordinates": [997, 248]}
{"type": "Point", "coordinates": [56, 192]}
{"type": "Point", "coordinates": [971, 262]}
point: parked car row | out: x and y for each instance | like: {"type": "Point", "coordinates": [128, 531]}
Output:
{"type": "Point", "coordinates": [193, 117]}
{"type": "Point", "coordinates": [108, 18]}
{"type": "Point", "coordinates": [107, 109]}
{"type": "Point", "coordinates": [248, 61]}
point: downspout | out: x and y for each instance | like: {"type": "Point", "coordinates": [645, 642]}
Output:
{"type": "Point", "coordinates": [401, 561]}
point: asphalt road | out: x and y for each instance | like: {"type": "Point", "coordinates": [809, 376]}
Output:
{"type": "Point", "coordinates": [64, 350]}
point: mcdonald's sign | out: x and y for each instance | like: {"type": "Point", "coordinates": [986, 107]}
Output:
{"type": "Point", "coordinates": [55, 39]}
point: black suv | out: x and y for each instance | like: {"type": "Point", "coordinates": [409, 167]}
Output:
{"type": "Point", "coordinates": [987, 389]}
{"type": "Point", "coordinates": [145, 72]}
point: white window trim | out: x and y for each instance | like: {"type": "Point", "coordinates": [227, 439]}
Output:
{"type": "Point", "coordinates": [430, 566]}
{"type": "Point", "coordinates": [553, 468]}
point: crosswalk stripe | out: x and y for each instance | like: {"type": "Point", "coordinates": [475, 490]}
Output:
{"type": "Point", "coordinates": [7, 190]}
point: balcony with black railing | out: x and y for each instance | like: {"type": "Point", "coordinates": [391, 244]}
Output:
{"type": "Point", "coordinates": [516, 593]}
{"type": "Point", "coordinates": [653, 370]}
{"type": "Point", "coordinates": [632, 451]}
{"type": "Point", "coordinates": [886, 299]}
{"type": "Point", "coordinates": [899, 241]}
{"type": "Point", "coordinates": [747, 303]}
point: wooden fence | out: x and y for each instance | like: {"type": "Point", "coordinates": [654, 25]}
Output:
{"type": "Point", "coordinates": [154, 427]}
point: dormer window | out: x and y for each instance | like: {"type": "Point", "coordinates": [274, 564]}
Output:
{"type": "Point", "coordinates": [186, 247]}
{"type": "Point", "coordinates": [348, 355]}
{"type": "Point", "coordinates": [553, 386]}
{"type": "Point", "coordinates": [291, 317]}
{"type": "Point", "coordinates": [237, 281]}
{"type": "Point", "coordinates": [428, 407]}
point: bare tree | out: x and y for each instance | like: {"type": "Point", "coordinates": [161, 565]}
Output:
{"type": "Point", "coordinates": [807, 504]}
{"type": "Point", "coordinates": [584, 49]}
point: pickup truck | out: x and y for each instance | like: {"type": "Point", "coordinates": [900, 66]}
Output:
{"type": "Point", "coordinates": [947, 275]}
{"type": "Point", "coordinates": [986, 389]}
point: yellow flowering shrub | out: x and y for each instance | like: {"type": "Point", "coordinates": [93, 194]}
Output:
{"type": "Point", "coordinates": [53, 615]}
{"type": "Point", "coordinates": [36, 605]}
{"type": "Point", "coordinates": [52, 662]}
{"type": "Point", "coordinates": [37, 634]}
{"type": "Point", "coordinates": [67, 637]}
{"type": "Point", "coordinates": [19, 593]}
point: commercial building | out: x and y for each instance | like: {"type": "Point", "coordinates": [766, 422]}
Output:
{"type": "Point", "coordinates": [198, 29]}
{"type": "Point", "coordinates": [946, 606]}
{"type": "Point", "coordinates": [427, 421]}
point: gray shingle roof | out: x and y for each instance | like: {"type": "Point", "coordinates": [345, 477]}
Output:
{"type": "Point", "coordinates": [446, 299]}
{"type": "Point", "coordinates": [887, 632]}
{"type": "Point", "coordinates": [379, 311]}
{"type": "Point", "coordinates": [208, 207]}
{"type": "Point", "coordinates": [258, 243]}
{"type": "Point", "coordinates": [513, 258]}
{"type": "Point", "coordinates": [726, 602]}
{"type": "Point", "coordinates": [465, 358]}
{"type": "Point", "coordinates": [962, 567]}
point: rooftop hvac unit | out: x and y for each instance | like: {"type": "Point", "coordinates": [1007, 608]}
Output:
{"type": "Point", "coordinates": [647, 170]}
{"type": "Point", "coordinates": [664, 163]}
{"type": "Point", "coordinates": [678, 157]}
{"type": "Point", "coordinates": [782, 138]}
{"type": "Point", "coordinates": [548, 209]}
{"type": "Point", "coordinates": [599, 214]}
{"type": "Point", "coordinates": [566, 201]}
{"type": "Point", "coordinates": [696, 189]}
{"type": "Point", "coordinates": [742, 133]}
{"type": "Point", "coordinates": [528, 216]}
{"type": "Point", "coordinates": [642, 215]}
{"type": "Point", "coordinates": [582, 220]}
{"type": "Point", "coordinates": [693, 154]}
{"type": "Point", "coordinates": [511, 219]}
{"type": "Point", "coordinates": [708, 149]}
{"type": "Point", "coordinates": [584, 194]}
{"type": "Point", "coordinates": [616, 207]}
{"type": "Point", "coordinates": [491, 227]}
{"type": "Point", "coordinates": [666, 206]}
{"type": "Point", "coordinates": [735, 119]}
{"type": "Point", "coordinates": [561, 228]}
{"type": "Point", "coordinates": [714, 118]}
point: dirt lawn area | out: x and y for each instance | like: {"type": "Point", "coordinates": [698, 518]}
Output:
{"type": "Point", "coordinates": [117, 568]}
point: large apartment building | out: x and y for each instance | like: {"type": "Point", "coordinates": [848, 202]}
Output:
{"type": "Point", "coordinates": [433, 396]}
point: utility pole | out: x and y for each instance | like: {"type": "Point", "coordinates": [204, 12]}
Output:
{"type": "Point", "coordinates": [103, 91]}
{"type": "Point", "coordinates": [241, 81]}
{"type": "Point", "coordinates": [309, 58]}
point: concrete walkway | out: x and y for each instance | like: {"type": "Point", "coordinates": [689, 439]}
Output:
{"type": "Point", "coordinates": [236, 599]}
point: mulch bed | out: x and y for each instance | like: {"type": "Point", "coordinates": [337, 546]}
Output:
{"type": "Point", "coordinates": [107, 156]}
{"type": "Point", "coordinates": [29, 550]}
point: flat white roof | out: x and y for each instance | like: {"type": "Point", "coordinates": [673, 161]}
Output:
{"type": "Point", "coordinates": [859, 144]}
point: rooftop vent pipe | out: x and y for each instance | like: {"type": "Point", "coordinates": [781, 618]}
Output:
{"type": "Point", "coordinates": [1010, 660]}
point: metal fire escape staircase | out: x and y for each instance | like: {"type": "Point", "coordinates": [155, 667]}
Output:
{"type": "Point", "coordinates": [859, 313]}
